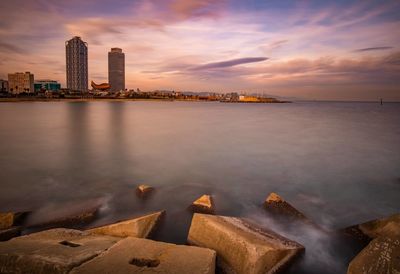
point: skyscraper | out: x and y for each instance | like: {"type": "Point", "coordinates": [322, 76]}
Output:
{"type": "Point", "coordinates": [77, 64]}
{"type": "Point", "coordinates": [116, 69]}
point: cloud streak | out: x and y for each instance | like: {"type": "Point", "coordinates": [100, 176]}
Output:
{"type": "Point", "coordinates": [229, 63]}
{"type": "Point", "coordinates": [372, 49]}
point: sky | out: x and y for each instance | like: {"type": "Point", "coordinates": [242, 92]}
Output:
{"type": "Point", "coordinates": [317, 50]}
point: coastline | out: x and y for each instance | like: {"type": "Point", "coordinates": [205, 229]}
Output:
{"type": "Point", "coordinates": [28, 99]}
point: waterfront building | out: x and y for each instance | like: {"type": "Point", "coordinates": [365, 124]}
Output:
{"type": "Point", "coordinates": [116, 69]}
{"type": "Point", "coordinates": [20, 82]}
{"type": "Point", "coordinates": [245, 98]}
{"type": "Point", "coordinates": [77, 64]}
{"type": "Point", "coordinates": [3, 86]}
{"type": "Point", "coordinates": [49, 85]}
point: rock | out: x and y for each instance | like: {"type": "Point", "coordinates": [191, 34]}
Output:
{"type": "Point", "coordinates": [9, 219]}
{"type": "Point", "coordinates": [241, 247]}
{"type": "Point", "coordinates": [135, 255]}
{"type": "Point", "coordinates": [204, 204]}
{"type": "Point", "coordinates": [51, 251]}
{"type": "Point", "coordinates": [144, 190]}
{"type": "Point", "coordinates": [139, 227]}
{"type": "Point", "coordinates": [69, 215]}
{"type": "Point", "coordinates": [278, 206]}
{"type": "Point", "coordinates": [382, 227]}
{"type": "Point", "coordinates": [382, 255]}
{"type": "Point", "coordinates": [6, 234]}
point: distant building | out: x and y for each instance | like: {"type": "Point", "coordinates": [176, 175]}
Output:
{"type": "Point", "coordinates": [116, 69]}
{"type": "Point", "coordinates": [49, 85]}
{"type": "Point", "coordinates": [3, 86]}
{"type": "Point", "coordinates": [77, 64]}
{"type": "Point", "coordinates": [21, 82]}
{"type": "Point", "coordinates": [244, 98]}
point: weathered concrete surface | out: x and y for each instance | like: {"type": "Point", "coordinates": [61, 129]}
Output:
{"type": "Point", "coordinates": [51, 251]}
{"type": "Point", "coordinates": [6, 234]}
{"type": "Point", "coordinates": [382, 227]}
{"type": "Point", "coordinates": [9, 219]}
{"type": "Point", "coordinates": [376, 228]}
{"type": "Point", "coordinates": [134, 255]}
{"type": "Point", "coordinates": [139, 227]}
{"type": "Point", "coordinates": [240, 247]}
{"type": "Point", "coordinates": [144, 190]}
{"type": "Point", "coordinates": [278, 206]}
{"type": "Point", "coordinates": [204, 204]}
{"type": "Point", "coordinates": [381, 256]}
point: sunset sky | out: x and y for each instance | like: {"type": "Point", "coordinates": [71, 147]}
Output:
{"type": "Point", "coordinates": [335, 50]}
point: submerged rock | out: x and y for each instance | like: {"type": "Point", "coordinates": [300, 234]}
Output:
{"type": "Point", "coordinates": [144, 190]}
{"type": "Point", "coordinates": [382, 227]}
{"type": "Point", "coordinates": [382, 255]}
{"type": "Point", "coordinates": [140, 227]}
{"type": "Point", "coordinates": [9, 219]}
{"type": "Point", "coordinates": [204, 204]}
{"type": "Point", "coordinates": [51, 251]}
{"type": "Point", "coordinates": [69, 215]}
{"type": "Point", "coordinates": [6, 234]}
{"type": "Point", "coordinates": [278, 206]}
{"type": "Point", "coordinates": [134, 255]}
{"type": "Point", "coordinates": [241, 247]}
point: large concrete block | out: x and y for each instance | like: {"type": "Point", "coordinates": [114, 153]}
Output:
{"type": "Point", "coordinates": [134, 255]}
{"type": "Point", "coordinates": [241, 247]}
{"type": "Point", "coordinates": [275, 204]}
{"type": "Point", "coordinates": [71, 214]}
{"type": "Point", "coordinates": [381, 256]}
{"type": "Point", "coordinates": [9, 219]}
{"type": "Point", "coordinates": [389, 226]}
{"type": "Point", "coordinates": [6, 234]}
{"type": "Point", "coordinates": [139, 227]}
{"type": "Point", "coordinates": [204, 204]}
{"type": "Point", "coordinates": [51, 251]}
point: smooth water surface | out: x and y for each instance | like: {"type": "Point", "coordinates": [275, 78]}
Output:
{"type": "Point", "coordinates": [339, 163]}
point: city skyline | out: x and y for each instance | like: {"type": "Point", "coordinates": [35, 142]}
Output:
{"type": "Point", "coordinates": [335, 50]}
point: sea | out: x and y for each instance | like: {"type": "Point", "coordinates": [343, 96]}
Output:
{"type": "Point", "coordinates": [337, 162]}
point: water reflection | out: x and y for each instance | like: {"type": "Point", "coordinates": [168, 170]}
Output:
{"type": "Point", "coordinates": [336, 162]}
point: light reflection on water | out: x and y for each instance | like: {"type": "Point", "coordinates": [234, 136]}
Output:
{"type": "Point", "coordinates": [336, 162]}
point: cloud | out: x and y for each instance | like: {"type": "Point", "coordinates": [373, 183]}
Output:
{"type": "Point", "coordinates": [196, 8]}
{"type": "Point", "coordinates": [6, 47]}
{"type": "Point", "coordinates": [229, 63]}
{"type": "Point", "coordinates": [392, 59]}
{"type": "Point", "coordinates": [373, 49]}
{"type": "Point", "coordinates": [273, 46]}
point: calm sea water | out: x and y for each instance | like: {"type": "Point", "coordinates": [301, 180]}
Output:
{"type": "Point", "coordinates": [339, 163]}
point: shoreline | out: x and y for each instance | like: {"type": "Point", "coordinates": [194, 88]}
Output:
{"type": "Point", "coordinates": [28, 99]}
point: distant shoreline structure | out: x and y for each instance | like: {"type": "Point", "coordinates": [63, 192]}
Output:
{"type": "Point", "coordinates": [104, 99]}
{"type": "Point", "coordinates": [101, 94]}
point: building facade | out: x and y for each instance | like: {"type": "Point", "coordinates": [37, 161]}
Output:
{"type": "Point", "coordinates": [3, 86]}
{"type": "Point", "coordinates": [50, 85]}
{"type": "Point", "coordinates": [77, 64]}
{"type": "Point", "coordinates": [116, 69]}
{"type": "Point", "coordinates": [20, 82]}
